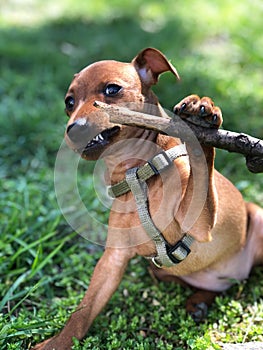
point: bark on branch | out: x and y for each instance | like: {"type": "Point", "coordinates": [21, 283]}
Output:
{"type": "Point", "coordinates": [250, 147]}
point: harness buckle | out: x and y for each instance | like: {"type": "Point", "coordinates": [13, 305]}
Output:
{"type": "Point", "coordinates": [178, 252]}
{"type": "Point", "coordinates": [156, 263]}
{"type": "Point", "coordinates": [167, 159]}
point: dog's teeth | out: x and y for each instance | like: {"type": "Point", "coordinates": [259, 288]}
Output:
{"type": "Point", "coordinates": [98, 138]}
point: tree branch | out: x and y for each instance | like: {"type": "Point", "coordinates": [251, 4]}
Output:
{"type": "Point", "coordinates": [250, 147]}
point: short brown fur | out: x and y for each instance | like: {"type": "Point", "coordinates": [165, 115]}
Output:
{"type": "Point", "coordinates": [226, 246]}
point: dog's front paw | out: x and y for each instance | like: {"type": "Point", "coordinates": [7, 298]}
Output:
{"type": "Point", "coordinates": [200, 111]}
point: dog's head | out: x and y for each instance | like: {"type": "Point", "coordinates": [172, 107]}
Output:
{"type": "Point", "coordinates": [128, 84]}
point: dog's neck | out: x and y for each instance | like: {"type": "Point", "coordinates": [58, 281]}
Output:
{"type": "Point", "coordinates": [134, 153]}
{"type": "Point", "coordinates": [130, 153]}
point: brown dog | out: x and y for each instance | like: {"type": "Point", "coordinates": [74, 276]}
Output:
{"type": "Point", "coordinates": [189, 220]}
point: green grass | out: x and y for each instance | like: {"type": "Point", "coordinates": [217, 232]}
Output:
{"type": "Point", "coordinates": [45, 267]}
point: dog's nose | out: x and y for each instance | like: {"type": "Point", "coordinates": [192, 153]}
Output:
{"type": "Point", "coordinates": [79, 133]}
{"type": "Point", "coordinates": [77, 129]}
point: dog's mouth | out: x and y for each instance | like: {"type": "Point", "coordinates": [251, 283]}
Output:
{"type": "Point", "coordinates": [100, 141]}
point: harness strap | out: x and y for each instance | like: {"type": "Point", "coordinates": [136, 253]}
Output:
{"type": "Point", "coordinates": [154, 166]}
{"type": "Point", "coordinates": [139, 192]}
{"type": "Point", "coordinates": [135, 181]}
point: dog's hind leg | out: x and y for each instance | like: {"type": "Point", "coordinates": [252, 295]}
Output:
{"type": "Point", "coordinates": [198, 303]}
{"type": "Point", "coordinates": [255, 231]}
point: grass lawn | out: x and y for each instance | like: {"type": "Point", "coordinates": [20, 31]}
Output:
{"type": "Point", "coordinates": [45, 266]}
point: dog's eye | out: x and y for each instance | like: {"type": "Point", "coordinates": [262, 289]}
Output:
{"type": "Point", "coordinates": [69, 102]}
{"type": "Point", "coordinates": [112, 90]}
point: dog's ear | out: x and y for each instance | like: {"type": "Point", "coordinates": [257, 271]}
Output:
{"type": "Point", "coordinates": [150, 63]}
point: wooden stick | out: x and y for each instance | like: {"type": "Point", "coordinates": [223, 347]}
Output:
{"type": "Point", "coordinates": [250, 147]}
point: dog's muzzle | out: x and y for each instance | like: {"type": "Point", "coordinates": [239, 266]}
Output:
{"type": "Point", "coordinates": [84, 138]}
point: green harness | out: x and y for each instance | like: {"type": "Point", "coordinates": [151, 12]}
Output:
{"type": "Point", "coordinates": [135, 181]}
